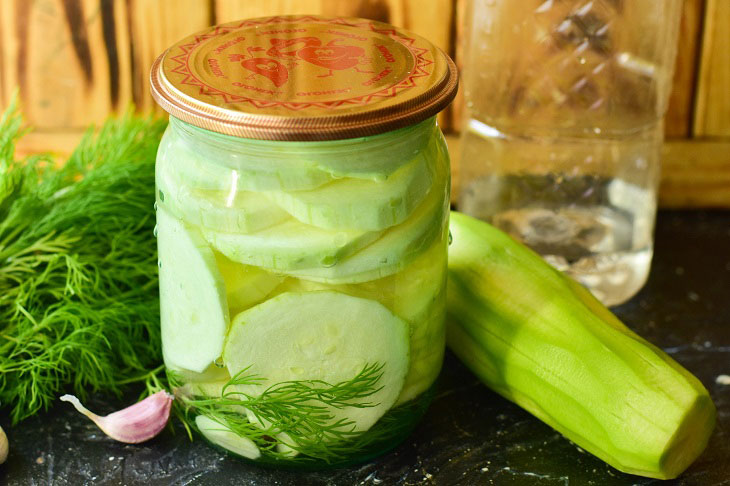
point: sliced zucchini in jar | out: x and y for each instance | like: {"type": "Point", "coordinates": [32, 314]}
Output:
{"type": "Point", "coordinates": [418, 286]}
{"type": "Point", "coordinates": [325, 336]}
{"type": "Point", "coordinates": [193, 311]}
{"type": "Point", "coordinates": [364, 158]}
{"type": "Point", "coordinates": [428, 341]}
{"type": "Point", "coordinates": [290, 245]}
{"type": "Point", "coordinates": [224, 437]}
{"type": "Point", "coordinates": [218, 169]}
{"type": "Point", "coordinates": [245, 285]}
{"type": "Point", "coordinates": [360, 204]}
{"type": "Point", "coordinates": [233, 211]}
{"type": "Point", "coordinates": [393, 251]}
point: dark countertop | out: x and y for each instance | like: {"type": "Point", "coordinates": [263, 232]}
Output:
{"type": "Point", "coordinates": [470, 435]}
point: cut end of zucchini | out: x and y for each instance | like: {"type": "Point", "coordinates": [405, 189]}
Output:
{"type": "Point", "coordinates": [544, 342]}
{"type": "Point", "coordinates": [689, 441]}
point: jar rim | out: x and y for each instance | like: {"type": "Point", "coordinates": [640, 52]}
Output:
{"type": "Point", "coordinates": [388, 148]}
{"type": "Point", "coordinates": [193, 79]}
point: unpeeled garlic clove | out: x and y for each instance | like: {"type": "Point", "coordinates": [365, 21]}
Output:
{"type": "Point", "coordinates": [4, 446]}
{"type": "Point", "coordinates": [134, 424]}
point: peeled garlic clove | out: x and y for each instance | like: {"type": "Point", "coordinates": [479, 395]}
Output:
{"type": "Point", "coordinates": [134, 424]}
{"type": "Point", "coordinates": [4, 446]}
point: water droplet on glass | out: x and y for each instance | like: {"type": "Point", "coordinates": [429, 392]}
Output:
{"type": "Point", "coordinates": [162, 195]}
{"type": "Point", "coordinates": [154, 206]}
{"type": "Point", "coordinates": [451, 238]}
{"type": "Point", "coordinates": [154, 231]}
{"type": "Point", "coordinates": [159, 263]}
{"type": "Point", "coordinates": [219, 362]}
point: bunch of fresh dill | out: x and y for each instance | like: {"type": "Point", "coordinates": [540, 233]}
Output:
{"type": "Point", "coordinates": [79, 304]}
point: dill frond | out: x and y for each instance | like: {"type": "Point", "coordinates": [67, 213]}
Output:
{"type": "Point", "coordinates": [79, 304]}
{"type": "Point", "coordinates": [300, 414]}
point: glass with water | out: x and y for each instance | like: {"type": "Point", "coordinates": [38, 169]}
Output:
{"type": "Point", "coordinates": [562, 137]}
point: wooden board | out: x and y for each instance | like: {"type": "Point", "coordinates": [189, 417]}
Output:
{"type": "Point", "coordinates": [230, 10]}
{"type": "Point", "coordinates": [457, 109]}
{"type": "Point", "coordinates": [78, 61]}
{"type": "Point", "coordinates": [712, 109]}
{"type": "Point", "coordinates": [70, 60]}
{"type": "Point", "coordinates": [678, 119]}
{"type": "Point", "coordinates": [431, 19]}
{"type": "Point", "coordinates": [153, 26]}
{"type": "Point", "coordinates": [695, 174]}
{"type": "Point", "coordinates": [59, 143]}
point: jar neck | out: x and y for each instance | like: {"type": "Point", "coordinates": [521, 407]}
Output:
{"type": "Point", "coordinates": [227, 150]}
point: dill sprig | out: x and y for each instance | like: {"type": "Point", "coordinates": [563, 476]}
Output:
{"type": "Point", "coordinates": [78, 266]}
{"type": "Point", "coordinates": [301, 415]}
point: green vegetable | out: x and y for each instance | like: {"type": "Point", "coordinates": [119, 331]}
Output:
{"type": "Point", "coordinates": [78, 266]}
{"type": "Point", "coordinates": [226, 211]}
{"type": "Point", "coordinates": [206, 159]}
{"type": "Point", "coordinates": [417, 295]}
{"type": "Point", "coordinates": [390, 253]}
{"type": "Point", "coordinates": [300, 415]}
{"type": "Point", "coordinates": [325, 336]}
{"type": "Point", "coordinates": [220, 434]}
{"type": "Point", "coordinates": [409, 293]}
{"type": "Point", "coordinates": [543, 341]}
{"type": "Point", "coordinates": [360, 204]}
{"type": "Point", "coordinates": [213, 164]}
{"type": "Point", "coordinates": [193, 308]}
{"type": "Point", "coordinates": [245, 285]}
{"type": "Point", "coordinates": [427, 351]}
{"type": "Point", "coordinates": [290, 245]}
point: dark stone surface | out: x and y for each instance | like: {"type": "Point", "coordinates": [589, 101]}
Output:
{"type": "Point", "coordinates": [470, 435]}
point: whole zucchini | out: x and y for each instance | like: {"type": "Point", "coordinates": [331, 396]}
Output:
{"type": "Point", "coordinates": [543, 341]}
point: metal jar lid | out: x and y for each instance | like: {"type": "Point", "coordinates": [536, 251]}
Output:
{"type": "Point", "coordinates": [303, 78]}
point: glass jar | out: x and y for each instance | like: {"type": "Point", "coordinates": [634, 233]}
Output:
{"type": "Point", "coordinates": [302, 221]}
{"type": "Point", "coordinates": [562, 141]}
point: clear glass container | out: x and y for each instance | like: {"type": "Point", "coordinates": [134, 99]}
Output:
{"type": "Point", "coordinates": [562, 138]}
{"type": "Point", "coordinates": [302, 281]}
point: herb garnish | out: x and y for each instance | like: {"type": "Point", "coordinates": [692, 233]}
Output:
{"type": "Point", "coordinates": [299, 414]}
{"type": "Point", "coordinates": [78, 266]}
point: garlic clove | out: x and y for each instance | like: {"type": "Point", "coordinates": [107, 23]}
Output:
{"type": "Point", "coordinates": [4, 446]}
{"type": "Point", "coordinates": [134, 424]}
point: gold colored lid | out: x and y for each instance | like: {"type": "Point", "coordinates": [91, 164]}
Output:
{"type": "Point", "coordinates": [303, 78]}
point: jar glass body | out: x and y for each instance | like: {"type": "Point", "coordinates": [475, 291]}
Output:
{"type": "Point", "coordinates": [302, 288]}
{"type": "Point", "coordinates": [561, 143]}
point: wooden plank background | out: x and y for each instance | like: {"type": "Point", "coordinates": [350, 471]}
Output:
{"type": "Point", "coordinates": [77, 61]}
